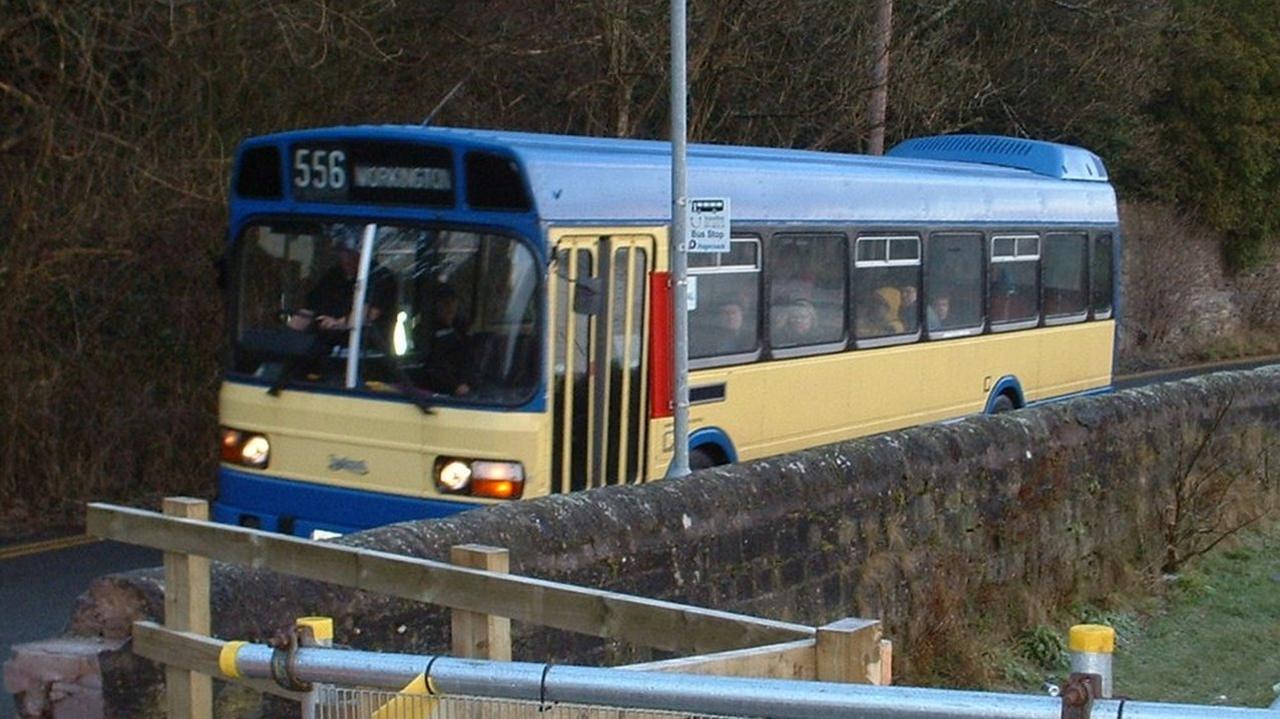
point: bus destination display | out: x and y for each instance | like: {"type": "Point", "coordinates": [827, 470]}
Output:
{"type": "Point", "coordinates": [380, 173]}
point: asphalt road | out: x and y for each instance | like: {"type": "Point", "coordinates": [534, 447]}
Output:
{"type": "Point", "coordinates": [38, 588]}
{"type": "Point", "coordinates": [1166, 375]}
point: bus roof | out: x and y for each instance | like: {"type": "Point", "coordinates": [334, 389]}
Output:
{"type": "Point", "coordinates": [950, 179]}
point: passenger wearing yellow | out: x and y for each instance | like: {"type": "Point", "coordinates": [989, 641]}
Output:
{"type": "Point", "coordinates": [880, 315]}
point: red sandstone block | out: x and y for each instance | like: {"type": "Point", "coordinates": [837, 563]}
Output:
{"type": "Point", "coordinates": [58, 677]}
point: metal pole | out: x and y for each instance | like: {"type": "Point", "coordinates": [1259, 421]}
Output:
{"type": "Point", "coordinates": [356, 318]}
{"type": "Point", "coordinates": [679, 249]}
{"type": "Point", "coordinates": [725, 696]}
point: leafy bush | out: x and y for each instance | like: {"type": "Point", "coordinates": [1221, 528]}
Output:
{"type": "Point", "coordinates": [1045, 647]}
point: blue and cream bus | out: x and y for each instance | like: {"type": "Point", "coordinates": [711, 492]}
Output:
{"type": "Point", "coordinates": [424, 320]}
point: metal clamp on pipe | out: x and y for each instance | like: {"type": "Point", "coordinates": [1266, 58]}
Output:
{"type": "Point", "coordinates": [284, 660]}
{"type": "Point", "coordinates": [1078, 695]}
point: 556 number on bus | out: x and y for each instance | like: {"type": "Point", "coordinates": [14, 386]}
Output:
{"type": "Point", "coordinates": [319, 170]}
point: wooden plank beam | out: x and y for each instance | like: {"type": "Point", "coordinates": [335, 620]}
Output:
{"type": "Point", "coordinates": [186, 608]}
{"type": "Point", "coordinates": [647, 622]}
{"type": "Point", "coordinates": [476, 635]}
{"type": "Point", "coordinates": [788, 660]}
{"type": "Point", "coordinates": [196, 653]}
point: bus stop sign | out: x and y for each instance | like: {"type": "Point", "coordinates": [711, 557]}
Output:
{"type": "Point", "coordinates": [709, 224]}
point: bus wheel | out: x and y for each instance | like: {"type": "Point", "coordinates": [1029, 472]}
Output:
{"type": "Point", "coordinates": [702, 459]}
{"type": "Point", "coordinates": [1003, 403]}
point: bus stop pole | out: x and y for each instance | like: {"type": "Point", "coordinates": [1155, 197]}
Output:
{"type": "Point", "coordinates": [679, 245]}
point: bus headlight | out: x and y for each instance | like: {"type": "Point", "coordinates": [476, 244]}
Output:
{"type": "Point", "coordinates": [244, 448]}
{"type": "Point", "coordinates": [480, 478]}
{"type": "Point", "coordinates": [454, 476]}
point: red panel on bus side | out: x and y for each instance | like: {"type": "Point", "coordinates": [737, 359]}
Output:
{"type": "Point", "coordinates": [660, 350]}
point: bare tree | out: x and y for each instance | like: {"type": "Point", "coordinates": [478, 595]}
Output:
{"type": "Point", "coordinates": [879, 77]}
{"type": "Point", "coordinates": [1203, 507]}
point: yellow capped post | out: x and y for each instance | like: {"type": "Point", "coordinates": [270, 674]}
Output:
{"type": "Point", "coordinates": [1091, 647]}
{"type": "Point", "coordinates": [1093, 638]}
{"type": "Point", "coordinates": [321, 629]}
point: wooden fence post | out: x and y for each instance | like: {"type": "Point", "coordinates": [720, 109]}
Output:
{"type": "Point", "coordinates": [886, 663]}
{"type": "Point", "coordinates": [476, 635]}
{"type": "Point", "coordinates": [186, 608]}
{"type": "Point", "coordinates": [849, 651]}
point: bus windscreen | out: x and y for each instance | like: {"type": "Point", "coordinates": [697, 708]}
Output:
{"type": "Point", "coordinates": [450, 312]}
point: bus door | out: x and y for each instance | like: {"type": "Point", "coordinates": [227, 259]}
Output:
{"type": "Point", "coordinates": [599, 383]}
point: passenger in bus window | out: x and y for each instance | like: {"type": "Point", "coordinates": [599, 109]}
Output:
{"type": "Point", "coordinates": [734, 336]}
{"type": "Point", "coordinates": [909, 312]}
{"type": "Point", "coordinates": [449, 365]}
{"type": "Point", "coordinates": [879, 314]}
{"type": "Point", "coordinates": [937, 312]}
{"type": "Point", "coordinates": [800, 326]}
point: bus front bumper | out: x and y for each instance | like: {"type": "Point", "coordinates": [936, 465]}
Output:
{"type": "Point", "coordinates": [315, 510]}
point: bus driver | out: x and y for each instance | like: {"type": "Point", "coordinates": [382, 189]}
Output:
{"type": "Point", "coordinates": [328, 302]}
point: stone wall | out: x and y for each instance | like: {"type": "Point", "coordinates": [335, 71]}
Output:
{"type": "Point", "coordinates": [1208, 312]}
{"type": "Point", "coordinates": [989, 521]}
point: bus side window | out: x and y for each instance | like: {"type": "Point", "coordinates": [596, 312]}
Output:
{"type": "Point", "coordinates": [887, 286]}
{"type": "Point", "coordinates": [1014, 283]}
{"type": "Point", "coordinates": [726, 321]}
{"type": "Point", "coordinates": [1101, 277]}
{"type": "Point", "coordinates": [1066, 277]}
{"type": "Point", "coordinates": [807, 290]}
{"type": "Point", "coordinates": [953, 284]}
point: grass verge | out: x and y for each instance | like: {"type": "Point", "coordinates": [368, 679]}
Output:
{"type": "Point", "coordinates": [1217, 640]}
{"type": "Point", "coordinates": [1210, 636]}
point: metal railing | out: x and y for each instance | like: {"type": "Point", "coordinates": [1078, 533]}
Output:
{"type": "Point", "coordinates": [362, 703]}
{"type": "Point", "coordinates": [543, 686]}
{"type": "Point", "coordinates": [347, 683]}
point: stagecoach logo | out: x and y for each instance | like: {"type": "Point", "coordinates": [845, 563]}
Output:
{"type": "Point", "coordinates": [403, 178]}
{"type": "Point", "coordinates": [346, 464]}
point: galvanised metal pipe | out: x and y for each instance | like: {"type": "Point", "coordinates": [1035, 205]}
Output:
{"type": "Point", "coordinates": [696, 694]}
{"type": "Point", "coordinates": [679, 249]}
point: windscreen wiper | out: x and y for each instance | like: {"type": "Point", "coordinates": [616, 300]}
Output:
{"type": "Point", "coordinates": [406, 387]}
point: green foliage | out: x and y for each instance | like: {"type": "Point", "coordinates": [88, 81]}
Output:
{"type": "Point", "coordinates": [1191, 585]}
{"type": "Point", "coordinates": [1045, 647]}
{"type": "Point", "coordinates": [1126, 623]}
{"type": "Point", "coordinates": [1018, 673]}
{"type": "Point", "coordinates": [1220, 116]}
